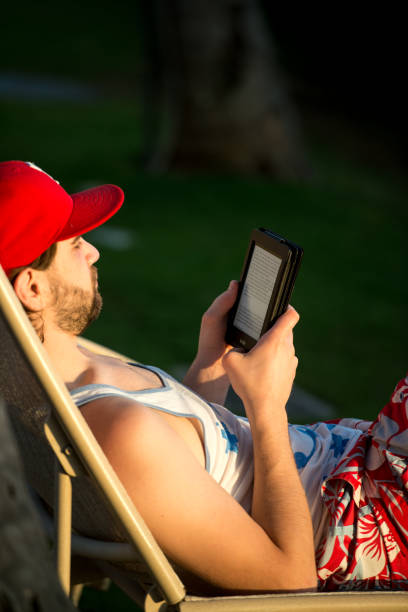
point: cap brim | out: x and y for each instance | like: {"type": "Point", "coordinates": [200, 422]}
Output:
{"type": "Point", "coordinates": [92, 207]}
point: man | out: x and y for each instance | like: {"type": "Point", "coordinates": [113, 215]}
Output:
{"type": "Point", "coordinates": [222, 496]}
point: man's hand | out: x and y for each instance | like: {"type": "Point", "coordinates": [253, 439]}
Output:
{"type": "Point", "coordinates": [264, 375]}
{"type": "Point", "coordinates": [207, 374]}
{"type": "Point", "coordinates": [263, 379]}
{"type": "Point", "coordinates": [211, 344]}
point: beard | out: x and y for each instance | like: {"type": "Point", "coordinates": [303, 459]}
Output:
{"type": "Point", "coordinates": [75, 308]}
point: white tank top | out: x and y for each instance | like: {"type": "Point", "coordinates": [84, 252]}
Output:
{"type": "Point", "coordinates": [317, 448]}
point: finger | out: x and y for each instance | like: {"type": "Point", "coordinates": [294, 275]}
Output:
{"type": "Point", "coordinates": [287, 321]}
{"type": "Point", "coordinates": [224, 302]}
{"type": "Point", "coordinates": [236, 349]}
{"type": "Point", "coordinates": [283, 328]}
{"type": "Point", "coordinates": [233, 354]}
{"type": "Point", "coordinates": [233, 287]}
{"type": "Point", "coordinates": [232, 291]}
{"type": "Point", "coordinates": [288, 337]}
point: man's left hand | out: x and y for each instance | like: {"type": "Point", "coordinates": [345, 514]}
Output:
{"type": "Point", "coordinates": [207, 374]}
{"type": "Point", "coordinates": [211, 344]}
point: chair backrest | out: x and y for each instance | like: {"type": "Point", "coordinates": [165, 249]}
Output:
{"type": "Point", "coordinates": [44, 416]}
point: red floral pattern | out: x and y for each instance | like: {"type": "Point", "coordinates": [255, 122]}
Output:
{"type": "Point", "coordinates": [366, 542]}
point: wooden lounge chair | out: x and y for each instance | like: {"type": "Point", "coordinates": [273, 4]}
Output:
{"type": "Point", "coordinates": [95, 520]}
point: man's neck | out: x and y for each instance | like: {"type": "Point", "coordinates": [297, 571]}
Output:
{"type": "Point", "coordinates": [66, 357]}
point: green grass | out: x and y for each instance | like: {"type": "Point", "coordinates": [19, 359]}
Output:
{"type": "Point", "coordinates": [191, 232]}
{"type": "Point", "coordinates": [112, 600]}
{"type": "Point", "coordinates": [82, 40]}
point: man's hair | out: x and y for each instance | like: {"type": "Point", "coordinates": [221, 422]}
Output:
{"type": "Point", "coordinates": [41, 263]}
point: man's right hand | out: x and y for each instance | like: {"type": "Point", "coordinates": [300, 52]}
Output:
{"type": "Point", "coordinates": [264, 375]}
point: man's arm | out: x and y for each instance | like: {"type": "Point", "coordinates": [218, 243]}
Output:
{"type": "Point", "coordinates": [200, 526]}
{"type": "Point", "coordinates": [206, 374]}
{"type": "Point", "coordinates": [271, 365]}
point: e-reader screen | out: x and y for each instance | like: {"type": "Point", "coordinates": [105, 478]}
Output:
{"type": "Point", "coordinates": [257, 291]}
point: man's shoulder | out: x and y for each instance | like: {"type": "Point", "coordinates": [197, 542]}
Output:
{"type": "Point", "coordinates": [115, 408]}
{"type": "Point", "coordinates": [119, 422]}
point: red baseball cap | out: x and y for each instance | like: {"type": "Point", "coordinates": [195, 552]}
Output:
{"type": "Point", "coordinates": [35, 212]}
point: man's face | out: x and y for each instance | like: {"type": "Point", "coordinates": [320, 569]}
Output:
{"type": "Point", "coordinates": [75, 299]}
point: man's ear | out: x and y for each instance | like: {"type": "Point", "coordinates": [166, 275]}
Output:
{"type": "Point", "coordinates": [30, 288]}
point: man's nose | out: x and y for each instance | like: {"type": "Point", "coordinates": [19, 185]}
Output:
{"type": "Point", "coordinates": [93, 253]}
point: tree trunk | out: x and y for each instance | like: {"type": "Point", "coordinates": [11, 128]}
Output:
{"type": "Point", "coordinates": [215, 82]}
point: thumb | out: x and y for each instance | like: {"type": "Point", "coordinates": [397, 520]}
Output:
{"type": "Point", "coordinates": [224, 302]}
{"type": "Point", "coordinates": [233, 357]}
{"type": "Point", "coordinates": [287, 320]}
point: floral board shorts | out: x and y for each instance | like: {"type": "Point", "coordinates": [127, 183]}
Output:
{"type": "Point", "coordinates": [365, 545]}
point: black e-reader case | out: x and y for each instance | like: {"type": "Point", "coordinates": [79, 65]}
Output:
{"type": "Point", "coordinates": [290, 255]}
